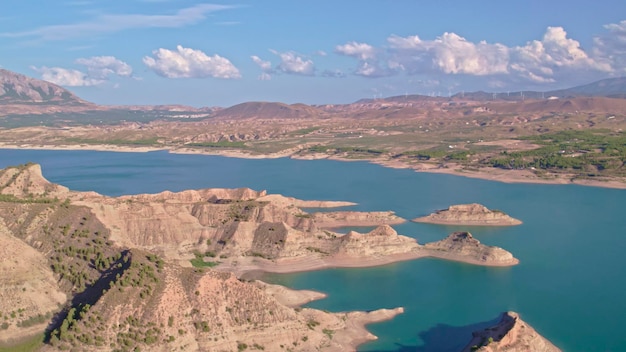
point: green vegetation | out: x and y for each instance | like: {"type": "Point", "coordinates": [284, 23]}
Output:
{"type": "Point", "coordinates": [136, 142]}
{"type": "Point", "coordinates": [329, 333]}
{"type": "Point", "coordinates": [347, 150]}
{"type": "Point", "coordinates": [29, 345]}
{"type": "Point", "coordinates": [590, 152]}
{"type": "Point", "coordinates": [220, 144]}
{"type": "Point", "coordinates": [198, 261]}
{"type": "Point", "coordinates": [304, 131]}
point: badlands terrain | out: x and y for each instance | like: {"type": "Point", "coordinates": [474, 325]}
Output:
{"type": "Point", "coordinates": [166, 271]}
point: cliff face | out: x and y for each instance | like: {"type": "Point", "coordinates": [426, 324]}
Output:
{"type": "Point", "coordinates": [469, 214]}
{"type": "Point", "coordinates": [511, 334]}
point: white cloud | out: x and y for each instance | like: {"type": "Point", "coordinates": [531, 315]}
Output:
{"type": "Point", "coordinates": [265, 66]}
{"type": "Point", "coordinates": [369, 65]}
{"type": "Point", "coordinates": [553, 57]}
{"type": "Point", "coordinates": [190, 63]}
{"type": "Point", "coordinates": [119, 22]}
{"type": "Point", "coordinates": [66, 77]}
{"type": "Point", "coordinates": [99, 70]}
{"type": "Point", "coordinates": [361, 51]}
{"type": "Point", "coordinates": [541, 61]}
{"type": "Point", "coordinates": [294, 64]}
{"type": "Point", "coordinates": [101, 67]}
{"type": "Point", "coordinates": [449, 53]}
{"type": "Point", "coordinates": [611, 46]}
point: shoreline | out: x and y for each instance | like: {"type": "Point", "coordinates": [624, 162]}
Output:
{"type": "Point", "coordinates": [254, 267]}
{"type": "Point", "coordinates": [488, 174]}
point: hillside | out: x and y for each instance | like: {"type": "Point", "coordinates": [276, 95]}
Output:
{"type": "Point", "coordinates": [158, 271]}
{"type": "Point", "coordinates": [19, 89]}
{"type": "Point", "coordinates": [267, 110]}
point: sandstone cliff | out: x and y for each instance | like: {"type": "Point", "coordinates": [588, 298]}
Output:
{"type": "Point", "coordinates": [511, 334]}
{"type": "Point", "coordinates": [469, 215]}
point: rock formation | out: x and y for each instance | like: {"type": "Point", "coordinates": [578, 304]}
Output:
{"type": "Point", "coordinates": [469, 215]}
{"type": "Point", "coordinates": [510, 334]}
{"type": "Point", "coordinates": [462, 246]}
{"type": "Point", "coordinates": [125, 265]}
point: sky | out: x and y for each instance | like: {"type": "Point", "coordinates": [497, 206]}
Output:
{"type": "Point", "coordinates": [148, 52]}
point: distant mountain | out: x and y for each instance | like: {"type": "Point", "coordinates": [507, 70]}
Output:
{"type": "Point", "coordinates": [611, 87]}
{"type": "Point", "coordinates": [19, 89]}
{"type": "Point", "coordinates": [267, 110]}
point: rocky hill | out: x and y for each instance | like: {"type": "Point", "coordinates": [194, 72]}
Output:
{"type": "Point", "coordinates": [469, 215]}
{"type": "Point", "coordinates": [267, 110]}
{"type": "Point", "coordinates": [510, 334]}
{"type": "Point", "coordinates": [19, 89]}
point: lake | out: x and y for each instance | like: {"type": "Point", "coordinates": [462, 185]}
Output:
{"type": "Point", "coordinates": [569, 284]}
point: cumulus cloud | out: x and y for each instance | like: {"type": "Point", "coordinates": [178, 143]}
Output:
{"type": "Point", "coordinates": [540, 61]}
{"type": "Point", "coordinates": [99, 70]}
{"type": "Point", "coordinates": [265, 66]}
{"type": "Point", "coordinates": [449, 53]}
{"type": "Point", "coordinates": [111, 23]}
{"type": "Point", "coordinates": [553, 57]}
{"type": "Point", "coordinates": [361, 51]}
{"type": "Point", "coordinates": [101, 67]}
{"type": "Point", "coordinates": [292, 63]}
{"type": "Point", "coordinates": [612, 46]}
{"type": "Point", "coordinates": [190, 63]}
{"type": "Point", "coordinates": [369, 65]}
{"type": "Point", "coordinates": [66, 77]}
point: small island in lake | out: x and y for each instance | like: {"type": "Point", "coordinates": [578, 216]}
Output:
{"type": "Point", "coordinates": [469, 215]}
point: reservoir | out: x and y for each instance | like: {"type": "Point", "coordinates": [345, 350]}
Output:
{"type": "Point", "coordinates": [569, 284]}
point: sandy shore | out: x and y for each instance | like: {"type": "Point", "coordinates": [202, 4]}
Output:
{"type": "Point", "coordinates": [491, 174]}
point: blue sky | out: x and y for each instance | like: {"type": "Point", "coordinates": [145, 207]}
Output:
{"type": "Point", "coordinates": [316, 52]}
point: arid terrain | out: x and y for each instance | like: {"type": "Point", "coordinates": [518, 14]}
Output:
{"type": "Point", "coordinates": [169, 271]}
{"type": "Point", "coordinates": [563, 137]}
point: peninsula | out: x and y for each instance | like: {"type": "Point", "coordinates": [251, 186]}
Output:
{"type": "Point", "coordinates": [469, 215]}
{"type": "Point", "coordinates": [510, 334]}
{"type": "Point", "coordinates": [167, 271]}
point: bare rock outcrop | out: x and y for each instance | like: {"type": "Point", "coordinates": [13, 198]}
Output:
{"type": "Point", "coordinates": [469, 215]}
{"type": "Point", "coordinates": [462, 246]}
{"type": "Point", "coordinates": [510, 334]}
{"type": "Point", "coordinates": [27, 181]}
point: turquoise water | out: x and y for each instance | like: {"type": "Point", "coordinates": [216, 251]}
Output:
{"type": "Point", "coordinates": [569, 285]}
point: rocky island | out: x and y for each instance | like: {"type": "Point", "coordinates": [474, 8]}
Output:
{"type": "Point", "coordinates": [469, 215]}
{"type": "Point", "coordinates": [462, 246]}
{"type": "Point", "coordinates": [166, 271]}
{"type": "Point", "coordinates": [510, 334]}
